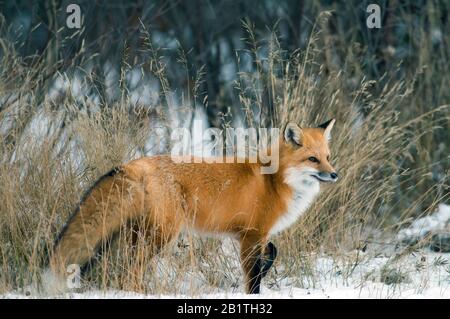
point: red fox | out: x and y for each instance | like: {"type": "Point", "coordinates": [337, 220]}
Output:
{"type": "Point", "coordinates": [228, 198]}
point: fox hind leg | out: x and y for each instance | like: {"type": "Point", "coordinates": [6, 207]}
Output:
{"type": "Point", "coordinates": [150, 235]}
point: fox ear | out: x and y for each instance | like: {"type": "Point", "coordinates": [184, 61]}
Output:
{"type": "Point", "coordinates": [293, 134]}
{"type": "Point", "coordinates": [327, 126]}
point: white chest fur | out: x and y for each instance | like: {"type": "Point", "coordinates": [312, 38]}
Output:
{"type": "Point", "coordinates": [305, 189]}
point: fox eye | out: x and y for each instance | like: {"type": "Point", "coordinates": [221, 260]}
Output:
{"type": "Point", "coordinates": [313, 159]}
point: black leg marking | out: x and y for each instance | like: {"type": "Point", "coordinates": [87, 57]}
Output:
{"type": "Point", "coordinates": [269, 258]}
{"type": "Point", "coordinates": [256, 276]}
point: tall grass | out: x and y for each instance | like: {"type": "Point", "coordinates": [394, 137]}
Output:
{"type": "Point", "coordinates": [51, 151]}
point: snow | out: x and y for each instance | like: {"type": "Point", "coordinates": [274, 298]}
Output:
{"type": "Point", "coordinates": [372, 292]}
{"type": "Point", "coordinates": [393, 271]}
{"type": "Point", "coordinates": [437, 221]}
{"type": "Point", "coordinates": [424, 275]}
{"type": "Point", "coordinates": [369, 291]}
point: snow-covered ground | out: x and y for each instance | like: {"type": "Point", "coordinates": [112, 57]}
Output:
{"type": "Point", "coordinates": [433, 223]}
{"type": "Point", "coordinates": [424, 275]}
{"type": "Point", "coordinates": [389, 270]}
{"type": "Point", "coordinates": [421, 274]}
{"type": "Point", "coordinates": [371, 291]}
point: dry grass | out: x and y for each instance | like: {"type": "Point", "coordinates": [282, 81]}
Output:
{"type": "Point", "coordinates": [50, 152]}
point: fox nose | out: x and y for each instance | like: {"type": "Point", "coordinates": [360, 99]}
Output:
{"type": "Point", "coordinates": [334, 176]}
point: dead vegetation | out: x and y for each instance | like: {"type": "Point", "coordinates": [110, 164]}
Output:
{"type": "Point", "coordinates": [390, 146]}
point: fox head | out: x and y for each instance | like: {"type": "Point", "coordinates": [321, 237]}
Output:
{"type": "Point", "coordinates": [307, 156]}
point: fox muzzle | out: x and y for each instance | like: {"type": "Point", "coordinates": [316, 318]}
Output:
{"type": "Point", "coordinates": [326, 177]}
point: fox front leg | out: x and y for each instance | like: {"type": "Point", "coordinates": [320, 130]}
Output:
{"type": "Point", "coordinates": [270, 254]}
{"type": "Point", "coordinates": [251, 253]}
{"type": "Point", "coordinates": [256, 262]}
